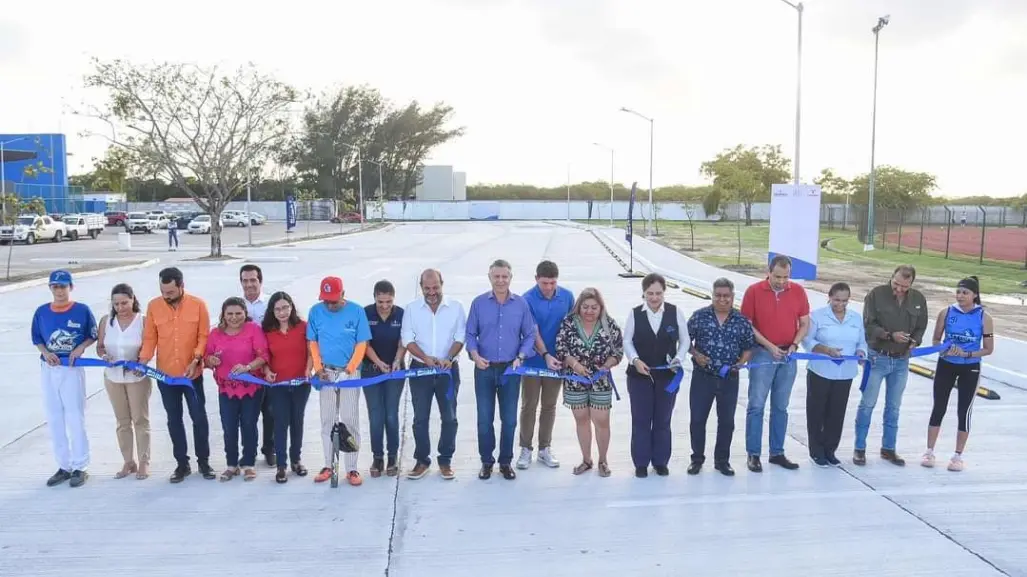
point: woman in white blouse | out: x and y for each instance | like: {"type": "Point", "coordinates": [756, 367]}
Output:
{"type": "Point", "coordinates": [655, 335]}
{"type": "Point", "coordinates": [120, 338]}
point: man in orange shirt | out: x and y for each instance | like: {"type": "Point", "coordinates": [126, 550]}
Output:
{"type": "Point", "coordinates": [779, 311]}
{"type": "Point", "coordinates": [176, 329]}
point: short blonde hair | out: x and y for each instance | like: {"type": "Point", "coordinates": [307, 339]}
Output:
{"type": "Point", "coordinates": [592, 293]}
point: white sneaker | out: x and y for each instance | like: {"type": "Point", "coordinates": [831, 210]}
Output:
{"type": "Point", "coordinates": [545, 456]}
{"type": "Point", "coordinates": [956, 464]}
{"type": "Point", "coordinates": [524, 461]}
{"type": "Point", "coordinates": [927, 460]}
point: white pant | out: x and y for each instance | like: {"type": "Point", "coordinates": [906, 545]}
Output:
{"type": "Point", "coordinates": [340, 405]}
{"type": "Point", "coordinates": [64, 394]}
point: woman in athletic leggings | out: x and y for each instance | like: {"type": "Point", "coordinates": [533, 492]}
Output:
{"type": "Point", "coordinates": [969, 328]}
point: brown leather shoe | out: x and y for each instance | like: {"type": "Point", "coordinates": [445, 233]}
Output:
{"type": "Point", "coordinates": [447, 472]}
{"type": "Point", "coordinates": [893, 457]}
{"type": "Point", "coordinates": [418, 471]}
{"type": "Point", "coordinates": [859, 457]}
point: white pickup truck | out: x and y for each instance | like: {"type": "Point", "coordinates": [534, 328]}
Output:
{"type": "Point", "coordinates": [29, 228]}
{"type": "Point", "coordinates": [81, 225]}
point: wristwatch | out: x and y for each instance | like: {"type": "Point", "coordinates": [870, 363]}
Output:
{"type": "Point", "coordinates": [520, 356]}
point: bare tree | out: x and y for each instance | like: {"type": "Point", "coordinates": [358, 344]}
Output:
{"type": "Point", "coordinates": [202, 129]}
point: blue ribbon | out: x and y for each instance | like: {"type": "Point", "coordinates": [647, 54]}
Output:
{"type": "Point", "coordinates": [550, 374]}
{"type": "Point", "coordinates": [147, 370]}
{"type": "Point", "coordinates": [797, 356]}
{"type": "Point", "coordinates": [318, 384]}
{"type": "Point", "coordinates": [675, 383]}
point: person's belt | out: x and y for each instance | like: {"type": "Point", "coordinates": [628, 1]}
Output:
{"type": "Point", "coordinates": [891, 354]}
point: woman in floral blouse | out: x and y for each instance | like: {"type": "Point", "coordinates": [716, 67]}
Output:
{"type": "Point", "coordinates": [590, 341]}
{"type": "Point", "coordinates": [237, 345]}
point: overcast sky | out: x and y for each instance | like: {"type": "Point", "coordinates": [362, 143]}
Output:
{"type": "Point", "coordinates": [536, 82]}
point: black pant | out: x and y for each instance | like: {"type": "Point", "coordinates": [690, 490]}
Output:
{"type": "Point", "coordinates": [706, 387]}
{"type": "Point", "coordinates": [948, 375]}
{"type": "Point", "coordinates": [290, 404]}
{"type": "Point", "coordinates": [826, 400]}
{"type": "Point", "coordinates": [267, 448]}
{"type": "Point", "coordinates": [172, 398]}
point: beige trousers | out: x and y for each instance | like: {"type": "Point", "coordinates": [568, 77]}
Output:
{"type": "Point", "coordinates": [532, 388]}
{"type": "Point", "coordinates": [131, 402]}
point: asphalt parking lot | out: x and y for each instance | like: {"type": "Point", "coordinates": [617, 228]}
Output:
{"type": "Point", "coordinates": [104, 251]}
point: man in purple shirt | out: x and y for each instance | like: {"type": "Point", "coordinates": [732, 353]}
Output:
{"type": "Point", "coordinates": [500, 335]}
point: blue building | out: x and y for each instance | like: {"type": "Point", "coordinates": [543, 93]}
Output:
{"type": "Point", "coordinates": [36, 165]}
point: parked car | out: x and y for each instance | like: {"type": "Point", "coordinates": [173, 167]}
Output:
{"type": "Point", "coordinates": [31, 227]}
{"type": "Point", "coordinates": [235, 218]}
{"type": "Point", "coordinates": [346, 217]}
{"type": "Point", "coordinates": [139, 222]}
{"type": "Point", "coordinates": [257, 219]}
{"type": "Point", "coordinates": [159, 220]}
{"type": "Point", "coordinates": [82, 225]}
{"type": "Point", "coordinates": [116, 217]}
{"type": "Point", "coordinates": [182, 219]}
{"type": "Point", "coordinates": [201, 224]}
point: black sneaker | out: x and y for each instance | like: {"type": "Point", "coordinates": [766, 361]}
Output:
{"type": "Point", "coordinates": [753, 462]}
{"type": "Point", "coordinates": [782, 461]}
{"type": "Point", "coordinates": [819, 461]}
{"type": "Point", "coordinates": [832, 460]}
{"type": "Point", "coordinates": [207, 471]}
{"type": "Point", "coordinates": [641, 472]}
{"type": "Point", "coordinates": [78, 478]}
{"type": "Point", "coordinates": [661, 470]}
{"type": "Point", "coordinates": [57, 478]}
{"type": "Point", "coordinates": [181, 472]}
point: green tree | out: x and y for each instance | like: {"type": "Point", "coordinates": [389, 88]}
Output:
{"type": "Point", "coordinates": [745, 175]}
{"type": "Point", "coordinates": [201, 129]}
{"type": "Point", "coordinates": [711, 202]}
{"type": "Point", "coordinates": [833, 188]}
{"type": "Point", "coordinates": [894, 188]}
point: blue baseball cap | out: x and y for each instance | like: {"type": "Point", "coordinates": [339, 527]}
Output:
{"type": "Point", "coordinates": [60, 277]}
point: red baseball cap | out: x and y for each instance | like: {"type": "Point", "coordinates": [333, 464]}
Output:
{"type": "Point", "coordinates": [331, 289]}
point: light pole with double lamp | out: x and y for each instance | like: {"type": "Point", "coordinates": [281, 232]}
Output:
{"type": "Point", "coordinates": [649, 217]}
{"type": "Point", "coordinates": [869, 242]}
{"type": "Point", "coordinates": [381, 188]}
{"type": "Point", "coordinates": [611, 177]}
{"type": "Point", "coordinates": [798, 88]}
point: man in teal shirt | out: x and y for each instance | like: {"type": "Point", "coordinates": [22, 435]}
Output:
{"type": "Point", "coordinates": [549, 305]}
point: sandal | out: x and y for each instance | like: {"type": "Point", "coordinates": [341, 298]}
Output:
{"type": "Point", "coordinates": [299, 469]}
{"type": "Point", "coordinates": [584, 467]}
{"type": "Point", "coordinates": [604, 469]}
{"type": "Point", "coordinates": [229, 474]}
{"type": "Point", "coordinates": [249, 474]}
{"type": "Point", "coordinates": [281, 476]}
{"type": "Point", "coordinates": [144, 472]}
{"type": "Point", "coordinates": [125, 471]}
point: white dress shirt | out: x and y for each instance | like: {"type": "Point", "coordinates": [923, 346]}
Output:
{"type": "Point", "coordinates": [434, 332]}
{"type": "Point", "coordinates": [257, 308]}
{"type": "Point", "coordinates": [655, 320]}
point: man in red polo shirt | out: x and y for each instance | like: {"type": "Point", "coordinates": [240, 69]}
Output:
{"type": "Point", "coordinates": [779, 311]}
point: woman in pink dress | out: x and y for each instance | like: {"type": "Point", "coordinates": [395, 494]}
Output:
{"type": "Point", "coordinates": [237, 346]}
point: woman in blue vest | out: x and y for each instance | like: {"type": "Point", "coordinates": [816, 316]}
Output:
{"type": "Point", "coordinates": [652, 338]}
{"type": "Point", "coordinates": [969, 329]}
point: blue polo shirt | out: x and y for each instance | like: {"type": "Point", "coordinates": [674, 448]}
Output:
{"type": "Point", "coordinates": [385, 333]}
{"type": "Point", "coordinates": [337, 333]}
{"type": "Point", "coordinates": [548, 314]}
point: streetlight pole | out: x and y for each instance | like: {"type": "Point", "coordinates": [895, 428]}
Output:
{"type": "Point", "coordinates": [360, 182]}
{"type": "Point", "coordinates": [611, 177]}
{"type": "Point", "coordinates": [649, 217]}
{"type": "Point", "coordinates": [869, 241]}
{"type": "Point", "coordinates": [3, 181]}
{"type": "Point", "coordinates": [249, 216]}
{"type": "Point", "coordinates": [798, 89]}
{"type": "Point", "coordinates": [381, 189]}
{"type": "Point", "coordinates": [568, 192]}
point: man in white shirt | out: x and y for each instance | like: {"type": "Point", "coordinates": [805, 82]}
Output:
{"type": "Point", "coordinates": [433, 332]}
{"type": "Point", "coordinates": [252, 280]}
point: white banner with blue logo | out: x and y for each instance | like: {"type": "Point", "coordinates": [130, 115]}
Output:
{"type": "Point", "coordinates": [795, 227]}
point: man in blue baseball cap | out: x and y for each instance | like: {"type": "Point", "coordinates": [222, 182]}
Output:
{"type": "Point", "coordinates": [62, 330]}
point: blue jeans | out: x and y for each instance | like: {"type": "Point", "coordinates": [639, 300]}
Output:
{"type": "Point", "coordinates": [777, 381]}
{"type": "Point", "coordinates": [175, 399]}
{"type": "Point", "coordinates": [488, 385]}
{"type": "Point", "coordinates": [172, 234]}
{"type": "Point", "coordinates": [240, 415]}
{"type": "Point", "coordinates": [383, 413]}
{"type": "Point", "coordinates": [422, 391]}
{"type": "Point", "coordinates": [289, 405]}
{"type": "Point", "coordinates": [894, 373]}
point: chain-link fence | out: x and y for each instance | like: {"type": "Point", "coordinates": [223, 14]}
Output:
{"type": "Point", "coordinates": [993, 233]}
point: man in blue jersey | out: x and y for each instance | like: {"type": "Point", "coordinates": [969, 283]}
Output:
{"type": "Point", "coordinates": [62, 330]}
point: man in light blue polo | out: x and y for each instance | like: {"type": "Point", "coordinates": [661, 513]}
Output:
{"type": "Point", "coordinates": [549, 305]}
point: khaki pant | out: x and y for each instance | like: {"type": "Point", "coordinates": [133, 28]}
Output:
{"type": "Point", "coordinates": [131, 402]}
{"type": "Point", "coordinates": [531, 389]}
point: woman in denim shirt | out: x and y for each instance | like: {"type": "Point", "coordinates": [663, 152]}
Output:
{"type": "Point", "coordinates": [834, 331]}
